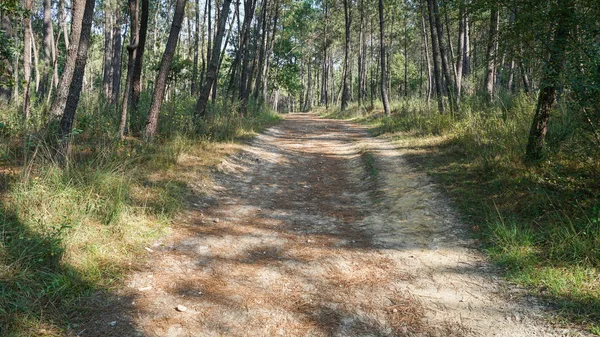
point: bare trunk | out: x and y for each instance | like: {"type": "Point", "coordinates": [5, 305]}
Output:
{"type": "Point", "coordinates": [550, 81]}
{"type": "Point", "coordinates": [116, 60]}
{"type": "Point", "coordinates": [139, 57]}
{"type": "Point", "coordinates": [132, 51]}
{"type": "Point", "coordinates": [68, 117]}
{"type": "Point", "coordinates": [461, 51]}
{"type": "Point", "coordinates": [48, 48]}
{"type": "Point", "coordinates": [194, 88]}
{"type": "Point", "coordinates": [345, 89]}
{"type": "Point", "coordinates": [384, 93]}
{"type": "Point", "coordinates": [165, 65]}
{"type": "Point", "coordinates": [491, 53]}
{"type": "Point", "coordinates": [5, 64]}
{"type": "Point", "coordinates": [436, 56]}
{"type": "Point", "coordinates": [211, 73]}
{"type": "Point", "coordinates": [108, 51]}
{"type": "Point", "coordinates": [427, 60]}
{"type": "Point", "coordinates": [27, 42]}
{"type": "Point", "coordinates": [446, 71]}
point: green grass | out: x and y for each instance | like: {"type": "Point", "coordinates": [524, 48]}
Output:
{"type": "Point", "coordinates": [540, 223]}
{"type": "Point", "coordinates": [68, 233]}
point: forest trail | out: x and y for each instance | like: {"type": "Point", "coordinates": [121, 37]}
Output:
{"type": "Point", "coordinates": [317, 229]}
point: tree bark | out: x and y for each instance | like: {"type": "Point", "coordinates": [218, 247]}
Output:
{"type": "Point", "coordinates": [347, 24]}
{"type": "Point", "coordinates": [116, 59]}
{"type": "Point", "coordinates": [139, 57]}
{"type": "Point", "coordinates": [5, 64]}
{"type": "Point", "coordinates": [384, 93]}
{"type": "Point", "coordinates": [132, 51]}
{"type": "Point", "coordinates": [449, 82]}
{"type": "Point", "coordinates": [27, 42]}
{"type": "Point", "coordinates": [163, 72]}
{"type": "Point", "coordinates": [460, 51]}
{"type": "Point", "coordinates": [68, 117]}
{"type": "Point", "coordinates": [211, 73]}
{"type": "Point", "coordinates": [492, 46]}
{"type": "Point", "coordinates": [436, 56]}
{"type": "Point", "coordinates": [550, 80]}
{"type": "Point", "coordinates": [48, 47]}
{"type": "Point", "coordinates": [194, 88]}
{"type": "Point", "coordinates": [108, 52]}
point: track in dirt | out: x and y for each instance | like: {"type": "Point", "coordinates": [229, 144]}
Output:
{"type": "Point", "coordinates": [298, 239]}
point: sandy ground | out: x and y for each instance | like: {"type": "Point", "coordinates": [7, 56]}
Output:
{"type": "Point", "coordinates": [302, 237]}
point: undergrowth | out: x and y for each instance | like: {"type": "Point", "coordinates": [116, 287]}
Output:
{"type": "Point", "coordinates": [540, 222]}
{"type": "Point", "coordinates": [68, 232]}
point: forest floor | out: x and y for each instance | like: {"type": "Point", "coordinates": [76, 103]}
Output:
{"type": "Point", "coordinates": [317, 229]}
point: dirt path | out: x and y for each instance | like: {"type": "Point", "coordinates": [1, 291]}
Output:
{"type": "Point", "coordinates": [315, 229]}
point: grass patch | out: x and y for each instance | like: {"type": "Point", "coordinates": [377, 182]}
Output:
{"type": "Point", "coordinates": [68, 233]}
{"type": "Point", "coordinates": [540, 222]}
{"type": "Point", "coordinates": [368, 161]}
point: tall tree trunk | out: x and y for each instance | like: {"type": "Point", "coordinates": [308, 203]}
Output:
{"type": "Point", "coordinates": [5, 64]}
{"type": "Point", "coordinates": [194, 88]}
{"type": "Point", "coordinates": [550, 79]}
{"type": "Point", "coordinates": [492, 47]}
{"type": "Point", "coordinates": [27, 42]}
{"type": "Point", "coordinates": [132, 51]}
{"type": "Point", "coordinates": [466, 67]}
{"type": "Point", "coordinates": [262, 51]}
{"type": "Point", "coordinates": [36, 61]}
{"type": "Point", "coordinates": [63, 20]}
{"type": "Point", "coordinates": [271, 44]}
{"type": "Point", "coordinates": [211, 73]}
{"type": "Point", "coordinates": [68, 117]}
{"type": "Point", "coordinates": [446, 71]}
{"type": "Point", "coordinates": [116, 58]}
{"type": "Point", "coordinates": [108, 51]}
{"type": "Point", "coordinates": [345, 88]}
{"type": "Point", "coordinates": [48, 47]}
{"type": "Point", "coordinates": [427, 59]}
{"type": "Point", "coordinates": [249, 7]}
{"type": "Point", "coordinates": [165, 65]}
{"type": "Point", "coordinates": [325, 74]}
{"type": "Point", "coordinates": [436, 58]}
{"type": "Point", "coordinates": [384, 93]}
{"type": "Point", "coordinates": [460, 51]}
{"type": "Point", "coordinates": [139, 57]}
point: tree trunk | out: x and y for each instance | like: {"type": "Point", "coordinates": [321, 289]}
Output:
{"type": "Point", "coordinates": [492, 46]}
{"type": "Point", "coordinates": [27, 42]}
{"type": "Point", "coordinates": [460, 51]}
{"type": "Point", "coordinates": [249, 7]}
{"type": "Point", "coordinates": [436, 56]}
{"type": "Point", "coordinates": [211, 73]}
{"type": "Point", "coordinates": [108, 51]}
{"type": "Point", "coordinates": [163, 72]}
{"type": "Point", "coordinates": [427, 59]}
{"type": "Point", "coordinates": [48, 47]}
{"type": "Point", "coordinates": [68, 117]}
{"type": "Point", "coordinates": [63, 21]}
{"type": "Point", "coordinates": [345, 89]}
{"type": "Point", "coordinates": [262, 52]}
{"type": "Point", "coordinates": [384, 93]}
{"type": "Point", "coordinates": [550, 80]}
{"type": "Point", "coordinates": [449, 82]}
{"type": "Point", "coordinates": [139, 57]}
{"type": "Point", "coordinates": [132, 51]}
{"type": "Point", "coordinates": [116, 58]}
{"type": "Point", "coordinates": [194, 88]}
{"type": "Point", "coordinates": [5, 64]}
